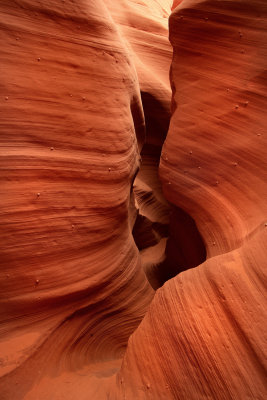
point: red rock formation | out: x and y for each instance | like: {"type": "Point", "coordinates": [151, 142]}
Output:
{"type": "Point", "coordinates": [71, 120]}
{"type": "Point", "coordinates": [69, 157]}
{"type": "Point", "coordinates": [72, 286]}
{"type": "Point", "coordinates": [216, 167]}
{"type": "Point", "coordinates": [144, 26]}
{"type": "Point", "coordinates": [204, 334]}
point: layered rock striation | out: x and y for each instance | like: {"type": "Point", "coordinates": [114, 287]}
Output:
{"type": "Point", "coordinates": [204, 334]}
{"type": "Point", "coordinates": [87, 232]}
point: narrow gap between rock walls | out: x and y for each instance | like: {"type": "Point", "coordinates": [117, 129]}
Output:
{"type": "Point", "coordinates": [166, 236]}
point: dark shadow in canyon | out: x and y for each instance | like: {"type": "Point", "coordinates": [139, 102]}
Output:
{"type": "Point", "coordinates": [163, 233]}
{"type": "Point", "coordinates": [185, 248]}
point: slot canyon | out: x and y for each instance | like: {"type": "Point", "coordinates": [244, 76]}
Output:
{"type": "Point", "coordinates": [133, 200]}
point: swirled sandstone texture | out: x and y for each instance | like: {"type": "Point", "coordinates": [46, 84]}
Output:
{"type": "Point", "coordinates": [204, 336]}
{"type": "Point", "coordinates": [144, 26]}
{"type": "Point", "coordinates": [214, 156]}
{"type": "Point", "coordinates": [72, 128]}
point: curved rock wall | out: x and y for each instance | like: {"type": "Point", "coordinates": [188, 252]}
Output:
{"type": "Point", "coordinates": [144, 27]}
{"type": "Point", "coordinates": [73, 125]}
{"type": "Point", "coordinates": [204, 334]}
{"type": "Point", "coordinates": [214, 156]}
{"type": "Point", "coordinates": [70, 272]}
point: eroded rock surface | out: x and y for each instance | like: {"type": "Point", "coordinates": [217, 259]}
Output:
{"type": "Point", "coordinates": [73, 125]}
{"type": "Point", "coordinates": [85, 90]}
{"type": "Point", "coordinates": [206, 328]}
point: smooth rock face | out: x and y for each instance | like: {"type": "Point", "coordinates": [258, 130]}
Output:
{"type": "Point", "coordinates": [85, 89]}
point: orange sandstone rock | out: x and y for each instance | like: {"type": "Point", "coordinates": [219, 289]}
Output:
{"type": "Point", "coordinates": [73, 122]}
{"type": "Point", "coordinates": [204, 335]}
{"type": "Point", "coordinates": [71, 281]}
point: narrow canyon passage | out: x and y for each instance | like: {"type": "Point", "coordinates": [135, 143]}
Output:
{"type": "Point", "coordinates": [167, 237]}
{"type": "Point", "coordinates": [133, 200]}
